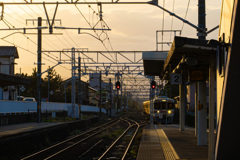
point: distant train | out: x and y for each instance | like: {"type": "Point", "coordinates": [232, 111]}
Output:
{"type": "Point", "coordinates": [163, 109]}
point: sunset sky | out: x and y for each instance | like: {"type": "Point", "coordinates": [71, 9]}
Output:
{"type": "Point", "coordinates": [133, 27]}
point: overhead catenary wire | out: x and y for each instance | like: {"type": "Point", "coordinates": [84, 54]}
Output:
{"type": "Point", "coordinates": [24, 24]}
{"type": "Point", "coordinates": [106, 43]}
{"type": "Point", "coordinates": [28, 39]}
{"type": "Point", "coordinates": [185, 15]}
{"type": "Point", "coordinates": [98, 36]}
{"type": "Point", "coordinates": [57, 36]}
{"type": "Point", "coordinates": [31, 41]}
{"type": "Point", "coordinates": [163, 23]}
{"type": "Point", "coordinates": [16, 19]}
{"type": "Point", "coordinates": [172, 21]}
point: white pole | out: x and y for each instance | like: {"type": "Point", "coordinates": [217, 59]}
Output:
{"type": "Point", "coordinates": [202, 114]}
{"type": "Point", "coordinates": [196, 108]}
{"type": "Point", "coordinates": [211, 145]}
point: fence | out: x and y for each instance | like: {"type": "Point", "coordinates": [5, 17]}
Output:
{"type": "Point", "coordinates": [13, 107]}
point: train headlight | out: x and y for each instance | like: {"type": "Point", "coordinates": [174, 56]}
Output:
{"type": "Point", "coordinates": [169, 111]}
{"type": "Point", "coordinates": [158, 111]}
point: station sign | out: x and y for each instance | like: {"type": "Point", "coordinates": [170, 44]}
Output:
{"type": "Point", "coordinates": [176, 78]}
{"type": "Point", "coordinates": [197, 75]}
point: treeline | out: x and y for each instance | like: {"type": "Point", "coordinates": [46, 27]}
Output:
{"type": "Point", "coordinates": [56, 85]}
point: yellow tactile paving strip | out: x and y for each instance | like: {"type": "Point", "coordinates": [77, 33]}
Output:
{"type": "Point", "coordinates": [168, 150]}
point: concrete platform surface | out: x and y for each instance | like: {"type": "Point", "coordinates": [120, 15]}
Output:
{"type": "Point", "coordinates": [168, 143]}
{"type": "Point", "coordinates": [9, 130]}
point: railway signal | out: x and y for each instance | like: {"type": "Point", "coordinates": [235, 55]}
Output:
{"type": "Point", "coordinates": [118, 85]}
{"type": "Point", "coordinates": [153, 84]}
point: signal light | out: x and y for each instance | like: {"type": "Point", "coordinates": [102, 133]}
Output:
{"type": "Point", "coordinates": [153, 84]}
{"type": "Point", "coordinates": [118, 85]}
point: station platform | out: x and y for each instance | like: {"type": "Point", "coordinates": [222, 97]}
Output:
{"type": "Point", "coordinates": [161, 142]}
{"type": "Point", "coordinates": [11, 130]}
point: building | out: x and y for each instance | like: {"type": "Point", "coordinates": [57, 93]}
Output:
{"type": "Point", "coordinates": [94, 82]}
{"type": "Point", "coordinates": [9, 83]}
{"type": "Point", "coordinates": [105, 87]}
{"type": "Point", "coordinates": [84, 92]}
{"type": "Point", "coordinates": [93, 100]}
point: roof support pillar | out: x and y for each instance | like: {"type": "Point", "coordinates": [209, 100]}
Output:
{"type": "Point", "coordinates": [202, 114]}
{"type": "Point", "coordinates": [182, 107]}
{"type": "Point", "coordinates": [196, 108]}
{"type": "Point", "coordinates": [211, 145]}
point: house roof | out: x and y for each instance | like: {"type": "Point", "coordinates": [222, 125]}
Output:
{"type": "Point", "coordinates": [69, 81]}
{"type": "Point", "coordinates": [8, 51]}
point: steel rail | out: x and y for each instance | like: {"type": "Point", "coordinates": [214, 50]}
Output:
{"type": "Point", "coordinates": [91, 130]}
{"type": "Point", "coordinates": [125, 52]}
{"type": "Point", "coordinates": [109, 148]}
{"type": "Point", "coordinates": [75, 3]}
{"type": "Point", "coordinates": [130, 143]}
{"type": "Point", "coordinates": [82, 140]}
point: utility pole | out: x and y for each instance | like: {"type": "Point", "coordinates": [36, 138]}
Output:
{"type": "Point", "coordinates": [73, 100]}
{"type": "Point", "coordinates": [151, 100]}
{"type": "Point", "coordinates": [201, 20]}
{"type": "Point", "coordinates": [127, 101]}
{"type": "Point", "coordinates": [48, 87]}
{"type": "Point", "coordinates": [121, 93]}
{"type": "Point", "coordinates": [100, 92]}
{"type": "Point", "coordinates": [117, 92]}
{"type": "Point", "coordinates": [79, 86]}
{"type": "Point", "coordinates": [65, 90]}
{"type": "Point", "coordinates": [110, 97]}
{"type": "Point", "coordinates": [39, 69]}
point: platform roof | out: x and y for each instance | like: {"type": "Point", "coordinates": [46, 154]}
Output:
{"type": "Point", "coordinates": [153, 62]}
{"type": "Point", "coordinates": [183, 48]}
{"type": "Point", "coordinates": [7, 80]}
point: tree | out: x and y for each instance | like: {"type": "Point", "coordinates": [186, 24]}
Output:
{"type": "Point", "coordinates": [55, 85]}
{"type": "Point", "coordinates": [31, 89]}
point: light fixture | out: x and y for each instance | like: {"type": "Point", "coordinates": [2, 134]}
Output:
{"type": "Point", "coordinates": [191, 61]}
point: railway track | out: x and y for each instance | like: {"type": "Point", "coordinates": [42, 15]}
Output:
{"type": "Point", "coordinates": [59, 149]}
{"type": "Point", "coordinates": [120, 147]}
{"type": "Point", "coordinates": [101, 142]}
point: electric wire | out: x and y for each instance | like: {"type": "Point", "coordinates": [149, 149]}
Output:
{"type": "Point", "coordinates": [55, 36]}
{"type": "Point", "coordinates": [59, 38]}
{"type": "Point", "coordinates": [25, 49]}
{"type": "Point", "coordinates": [185, 16]}
{"type": "Point", "coordinates": [29, 39]}
{"type": "Point", "coordinates": [24, 24]}
{"type": "Point", "coordinates": [163, 23]}
{"type": "Point", "coordinates": [24, 10]}
{"type": "Point", "coordinates": [172, 20]}
{"type": "Point", "coordinates": [107, 37]}
{"type": "Point", "coordinates": [98, 36]}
